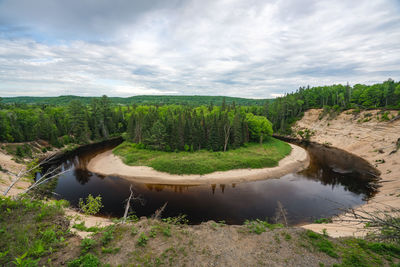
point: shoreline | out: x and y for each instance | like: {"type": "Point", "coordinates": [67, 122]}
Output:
{"type": "Point", "coordinates": [373, 141]}
{"type": "Point", "coordinates": [108, 164]}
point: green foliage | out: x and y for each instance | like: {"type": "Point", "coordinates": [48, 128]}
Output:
{"type": "Point", "coordinates": [259, 126]}
{"type": "Point", "coordinates": [60, 125]}
{"type": "Point", "coordinates": [107, 235]}
{"type": "Point", "coordinates": [23, 261]}
{"type": "Point", "coordinates": [359, 252]}
{"type": "Point", "coordinates": [284, 111]}
{"type": "Point", "coordinates": [323, 220]}
{"type": "Point", "coordinates": [92, 205]}
{"type": "Point", "coordinates": [305, 134]}
{"type": "Point", "coordinates": [87, 244]}
{"type": "Point", "coordinates": [88, 260]}
{"type": "Point", "coordinates": [134, 230]}
{"type": "Point", "coordinates": [201, 162]}
{"type": "Point", "coordinates": [142, 240]}
{"type": "Point", "coordinates": [183, 128]}
{"type": "Point", "coordinates": [110, 250]}
{"type": "Point", "coordinates": [142, 99]}
{"type": "Point", "coordinates": [258, 226]}
{"type": "Point", "coordinates": [321, 243]}
{"type": "Point", "coordinates": [81, 227]}
{"type": "Point", "coordinates": [27, 231]}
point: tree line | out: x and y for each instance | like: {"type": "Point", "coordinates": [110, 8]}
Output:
{"type": "Point", "coordinates": [283, 111]}
{"type": "Point", "coordinates": [166, 127]}
{"type": "Point", "coordinates": [217, 128]}
{"type": "Point", "coordinates": [191, 123]}
{"type": "Point", "coordinates": [59, 125]}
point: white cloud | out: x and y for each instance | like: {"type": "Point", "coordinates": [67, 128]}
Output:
{"type": "Point", "coordinates": [239, 48]}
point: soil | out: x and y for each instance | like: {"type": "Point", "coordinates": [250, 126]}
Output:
{"type": "Point", "coordinates": [208, 244]}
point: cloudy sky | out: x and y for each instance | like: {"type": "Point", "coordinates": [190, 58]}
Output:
{"type": "Point", "coordinates": [252, 48]}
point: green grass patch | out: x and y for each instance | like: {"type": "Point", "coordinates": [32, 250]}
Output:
{"type": "Point", "coordinates": [253, 155]}
{"type": "Point", "coordinates": [258, 226]}
{"type": "Point", "coordinates": [30, 230]}
{"type": "Point", "coordinates": [321, 243]}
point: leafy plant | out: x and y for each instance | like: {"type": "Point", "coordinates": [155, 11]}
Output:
{"type": "Point", "coordinates": [91, 206]}
{"type": "Point", "coordinates": [142, 240]}
{"type": "Point", "coordinates": [88, 260]}
{"type": "Point", "coordinates": [258, 226]}
{"type": "Point", "coordinates": [107, 235]}
{"type": "Point", "coordinates": [323, 220]}
{"type": "Point", "coordinates": [87, 244]}
{"type": "Point", "coordinates": [23, 261]}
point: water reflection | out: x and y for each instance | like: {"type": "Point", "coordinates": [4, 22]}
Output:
{"type": "Point", "coordinates": [333, 181]}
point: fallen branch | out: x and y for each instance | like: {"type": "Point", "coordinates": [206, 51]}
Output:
{"type": "Point", "coordinates": [157, 213]}
{"type": "Point", "coordinates": [127, 206]}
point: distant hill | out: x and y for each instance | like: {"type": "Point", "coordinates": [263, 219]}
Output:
{"type": "Point", "coordinates": [141, 99]}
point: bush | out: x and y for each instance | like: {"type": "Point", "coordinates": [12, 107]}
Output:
{"type": "Point", "coordinates": [92, 205]}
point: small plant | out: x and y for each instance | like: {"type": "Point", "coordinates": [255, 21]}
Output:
{"type": "Point", "coordinates": [322, 244]}
{"type": "Point", "coordinates": [81, 227]}
{"type": "Point", "coordinates": [258, 226]}
{"type": "Point", "coordinates": [166, 231]}
{"type": "Point", "coordinates": [110, 250]}
{"type": "Point", "coordinates": [153, 231]}
{"type": "Point", "coordinates": [87, 244]}
{"type": "Point", "coordinates": [142, 241]}
{"type": "Point", "coordinates": [134, 230]}
{"type": "Point", "coordinates": [287, 236]}
{"type": "Point", "coordinates": [218, 224]}
{"type": "Point", "coordinates": [107, 235]}
{"type": "Point", "coordinates": [22, 261]}
{"type": "Point", "coordinates": [178, 220]}
{"type": "Point", "coordinates": [91, 206]}
{"type": "Point", "coordinates": [88, 260]}
{"type": "Point", "coordinates": [325, 232]}
{"type": "Point", "coordinates": [323, 220]}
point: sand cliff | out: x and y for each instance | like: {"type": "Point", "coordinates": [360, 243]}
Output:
{"type": "Point", "coordinates": [364, 135]}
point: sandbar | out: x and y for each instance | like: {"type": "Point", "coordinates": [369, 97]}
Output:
{"type": "Point", "coordinates": [108, 164]}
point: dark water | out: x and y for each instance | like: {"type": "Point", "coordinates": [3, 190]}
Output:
{"type": "Point", "coordinates": [334, 180]}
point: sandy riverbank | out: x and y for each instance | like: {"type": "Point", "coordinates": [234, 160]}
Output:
{"type": "Point", "coordinates": [371, 140]}
{"type": "Point", "coordinates": [109, 164]}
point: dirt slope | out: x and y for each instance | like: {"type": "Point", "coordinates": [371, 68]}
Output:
{"type": "Point", "coordinates": [364, 135]}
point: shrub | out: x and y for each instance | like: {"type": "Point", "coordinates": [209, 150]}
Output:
{"type": "Point", "coordinates": [142, 241]}
{"type": "Point", "coordinates": [92, 205]}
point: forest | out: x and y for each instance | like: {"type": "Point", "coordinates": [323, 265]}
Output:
{"type": "Point", "coordinates": [176, 127]}
{"type": "Point", "coordinates": [283, 111]}
{"type": "Point", "coordinates": [163, 124]}
{"type": "Point", "coordinates": [195, 100]}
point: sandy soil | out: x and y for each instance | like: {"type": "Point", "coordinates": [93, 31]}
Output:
{"type": "Point", "coordinates": [109, 164]}
{"type": "Point", "coordinates": [6, 179]}
{"type": "Point", "coordinates": [372, 140]}
{"type": "Point", "coordinates": [207, 244]}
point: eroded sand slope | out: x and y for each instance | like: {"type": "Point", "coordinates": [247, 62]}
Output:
{"type": "Point", "coordinates": [372, 140]}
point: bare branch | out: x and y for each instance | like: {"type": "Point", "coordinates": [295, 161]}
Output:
{"type": "Point", "coordinates": [157, 213]}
